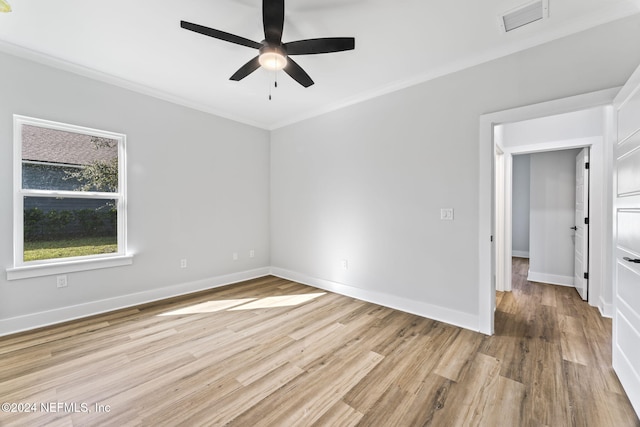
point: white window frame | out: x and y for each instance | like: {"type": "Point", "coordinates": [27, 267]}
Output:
{"type": "Point", "coordinates": [22, 269]}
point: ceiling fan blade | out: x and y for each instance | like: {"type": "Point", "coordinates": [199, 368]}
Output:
{"type": "Point", "coordinates": [273, 20]}
{"type": "Point", "coordinates": [297, 73]}
{"type": "Point", "coordinates": [323, 45]}
{"type": "Point", "coordinates": [221, 35]}
{"type": "Point", "coordinates": [246, 69]}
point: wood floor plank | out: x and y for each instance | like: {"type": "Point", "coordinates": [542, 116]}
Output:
{"type": "Point", "coordinates": [548, 296]}
{"type": "Point", "coordinates": [456, 359]}
{"type": "Point", "coordinates": [308, 397]}
{"type": "Point", "coordinates": [474, 400]}
{"type": "Point", "coordinates": [277, 353]}
{"type": "Point", "coordinates": [215, 408]}
{"type": "Point", "coordinates": [339, 415]}
{"type": "Point", "coordinates": [364, 395]}
{"type": "Point", "coordinates": [428, 402]}
{"type": "Point", "coordinates": [575, 347]}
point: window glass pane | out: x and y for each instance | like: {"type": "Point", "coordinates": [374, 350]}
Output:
{"type": "Point", "coordinates": [68, 227]}
{"type": "Point", "coordinates": [58, 160]}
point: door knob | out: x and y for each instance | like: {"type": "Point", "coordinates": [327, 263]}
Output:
{"type": "Point", "coordinates": [574, 227]}
{"type": "Point", "coordinates": [636, 260]}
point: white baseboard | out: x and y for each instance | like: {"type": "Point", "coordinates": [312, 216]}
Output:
{"type": "Point", "coordinates": [552, 279]}
{"type": "Point", "coordinates": [606, 309]}
{"type": "Point", "coordinates": [430, 311]}
{"type": "Point", "coordinates": [64, 314]}
{"type": "Point", "coordinates": [520, 254]}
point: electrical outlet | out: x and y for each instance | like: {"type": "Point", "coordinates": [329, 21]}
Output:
{"type": "Point", "coordinates": [345, 264]}
{"type": "Point", "coordinates": [183, 263]}
{"type": "Point", "coordinates": [252, 253]}
{"type": "Point", "coordinates": [446, 214]}
{"type": "Point", "coordinates": [235, 256]}
{"type": "Point", "coordinates": [61, 281]}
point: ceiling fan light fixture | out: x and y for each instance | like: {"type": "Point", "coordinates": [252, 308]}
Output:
{"type": "Point", "coordinates": [272, 60]}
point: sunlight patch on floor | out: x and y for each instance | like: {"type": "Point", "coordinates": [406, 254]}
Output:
{"type": "Point", "coordinates": [279, 301]}
{"type": "Point", "coordinates": [244, 304]}
{"type": "Point", "coordinates": [208, 307]}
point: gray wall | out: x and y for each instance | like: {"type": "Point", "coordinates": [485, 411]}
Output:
{"type": "Point", "coordinates": [367, 183]}
{"type": "Point", "coordinates": [198, 189]}
{"type": "Point", "coordinates": [553, 198]}
{"type": "Point", "coordinates": [520, 206]}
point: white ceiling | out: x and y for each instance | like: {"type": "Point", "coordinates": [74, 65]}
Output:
{"type": "Point", "coordinates": [140, 45]}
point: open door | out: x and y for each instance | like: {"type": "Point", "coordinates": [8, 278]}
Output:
{"type": "Point", "coordinates": [581, 255]}
{"type": "Point", "coordinates": [626, 280]}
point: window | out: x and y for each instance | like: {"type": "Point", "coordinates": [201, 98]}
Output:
{"type": "Point", "coordinates": [69, 198]}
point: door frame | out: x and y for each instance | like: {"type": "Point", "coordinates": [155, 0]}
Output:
{"type": "Point", "coordinates": [504, 234]}
{"type": "Point", "coordinates": [487, 198]}
{"type": "Point", "coordinates": [582, 170]}
{"type": "Point", "coordinates": [500, 182]}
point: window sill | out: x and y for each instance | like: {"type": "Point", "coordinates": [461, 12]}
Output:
{"type": "Point", "coordinates": [62, 267]}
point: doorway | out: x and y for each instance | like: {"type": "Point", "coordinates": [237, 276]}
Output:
{"type": "Point", "coordinates": [544, 225]}
{"type": "Point", "coordinates": [495, 238]}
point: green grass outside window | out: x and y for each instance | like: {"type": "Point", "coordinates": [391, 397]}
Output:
{"type": "Point", "coordinates": [66, 248]}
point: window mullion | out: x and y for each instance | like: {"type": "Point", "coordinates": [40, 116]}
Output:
{"type": "Point", "coordinates": [69, 194]}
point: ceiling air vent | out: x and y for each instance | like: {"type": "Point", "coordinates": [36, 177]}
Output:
{"type": "Point", "coordinates": [523, 15]}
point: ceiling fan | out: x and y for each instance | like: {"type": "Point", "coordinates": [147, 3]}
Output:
{"type": "Point", "coordinates": [273, 54]}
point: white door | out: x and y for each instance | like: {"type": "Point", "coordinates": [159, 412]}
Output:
{"type": "Point", "coordinates": [581, 257]}
{"type": "Point", "coordinates": [626, 282]}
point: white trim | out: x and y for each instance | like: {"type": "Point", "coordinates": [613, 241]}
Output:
{"type": "Point", "coordinates": [68, 265]}
{"type": "Point", "coordinates": [606, 310]}
{"type": "Point", "coordinates": [520, 254]}
{"type": "Point", "coordinates": [589, 21]}
{"type": "Point", "coordinates": [430, 311]}
{"type": "Point", "coordinates": [18, 200]}
{"type": "Point", "coordinates": [507, 242]}
{"type": "Point", "coordinates": [486, 287]}
{"type": "Point", "coordinates": [60, 165]}
{"type": "Point", "coordinates": [69, 194]}
{"type": "Point", "coordinates": [60, 64]}
{"type": "Point", "coordinates": [65, 314]}
{"type": "Point", "coordinates": [564, 144]}
{"type": "Point", "coordinates": [486, 219]}
{"type": "Point", "coordinates": [552, 279]}
{"type": "Point", "coordinates": [499, 218]}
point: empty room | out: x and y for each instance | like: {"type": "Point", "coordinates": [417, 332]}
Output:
{"type": "Point", "coordinates": [303, 213]}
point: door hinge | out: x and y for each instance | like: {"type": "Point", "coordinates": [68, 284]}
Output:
{"type": "Point", "coordinates": [586, 221]}
{"type": "Point", "coordinates": [586, 276]}
{"type": "Point", "coordinates": [492, 238]}
{"type": "Point", "coordinates": [586, 165]}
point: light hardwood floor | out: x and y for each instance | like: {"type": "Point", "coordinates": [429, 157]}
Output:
{"type": "Point", "coordinates": [270, 352]}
